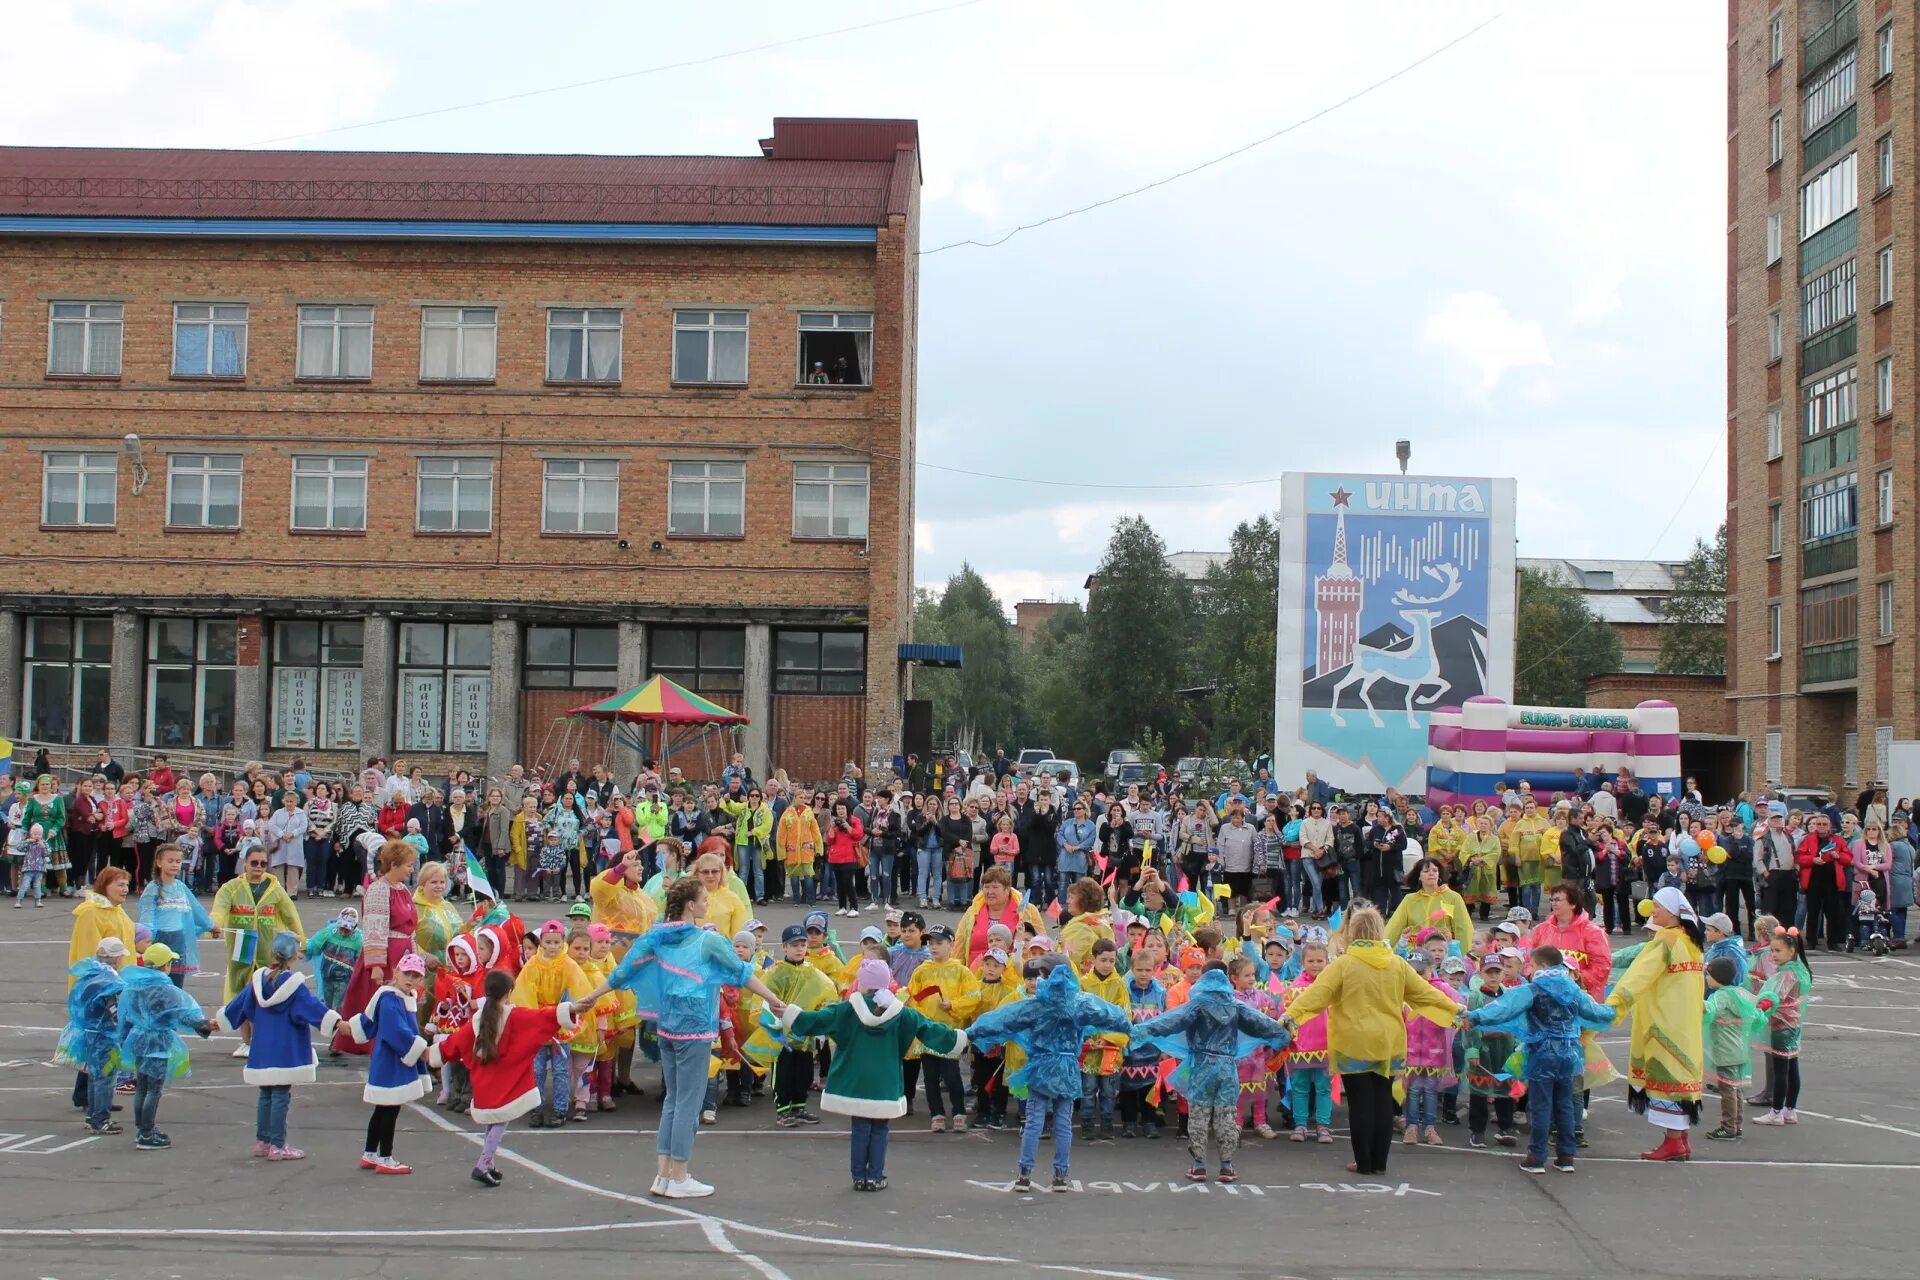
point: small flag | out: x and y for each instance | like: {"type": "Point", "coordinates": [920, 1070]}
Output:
{"type": "Point", "coordinates": [477, 879]}
{"type": "Point", "coordinates": [1333, 921]}
{"type": "Point", "coordinates": [1166, 923]}
{"type": "Point", "coordinates": [1223, 891]}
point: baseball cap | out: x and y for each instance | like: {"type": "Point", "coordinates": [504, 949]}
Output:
{"type": "Point", "coordinates": [1453, 964]}
{"type": "Point", "coordinates": [1508, 927]}
{"type": "Point", "coordinates": [1041, 943]}
{"type": "Point", "coordinates": [1492, 960]}
{"type": "Point", "coordinates": [906, 918]}
{"type": "Point", "coordinates": [893, 916]}
{"type": "Point", "coordinates": [758, 926]}
{"type": "Point", "coordinates": [1520, 915]}
{"type": "Point", "coordinates": [794, 933]}
{"type": "Point", "coordinates": [1512, 954]}
{"type": "Point", "coordinates": [1719, 920]}
{"type": "Point", "coordinates": [996, 954]}
{"type": "Point", "coordinates": [111, 949]}
{"type": "Point", "coordinates": [940, 933]}
{"type": "Point", "coordinates": [815, 920]}
{"type": "Point", "coordinates": [873, 933]}
{"type": "Point", "coordinates": [579, 911]}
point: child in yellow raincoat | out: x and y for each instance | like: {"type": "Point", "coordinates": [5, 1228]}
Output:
{"type": "Point", "coordinates": [945, 991]}
{"type": "Point", "coordinates": [1100, 1056]}
{"type": "Point", "coordinates": [550, 976]}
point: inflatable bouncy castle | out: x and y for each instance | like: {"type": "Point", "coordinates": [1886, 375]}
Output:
{"type": "Point", "coordinates": [1487, 740]}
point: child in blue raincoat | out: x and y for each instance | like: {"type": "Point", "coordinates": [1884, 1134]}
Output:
{"type": "Point", "coordinates": [1050, 1026]}
{"type": "Point", "coordinates": [93, 1030]}
{"type": "Point", "coordinates": [153, 1013]}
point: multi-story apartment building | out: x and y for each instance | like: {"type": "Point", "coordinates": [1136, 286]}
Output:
{"type": "Point", "coordinates": [351, 454]}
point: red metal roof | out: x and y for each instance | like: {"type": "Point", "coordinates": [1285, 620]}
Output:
{"type": "Point", "coordinates": [811, 173]}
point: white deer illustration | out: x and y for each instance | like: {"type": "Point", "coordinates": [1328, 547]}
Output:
{"type": "Point", "coordinates": [1414, 666]}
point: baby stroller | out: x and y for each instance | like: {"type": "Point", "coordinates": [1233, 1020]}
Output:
{"type": "Point", "coordinates": [1872, 926]}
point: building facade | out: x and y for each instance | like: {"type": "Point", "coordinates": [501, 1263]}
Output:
{"type": "Point", "coordinates": [1629, 596]}
{"type": "Point", "coordinates": [349, 454]}
{"type": "Point", "coordinates": [1820, 364]}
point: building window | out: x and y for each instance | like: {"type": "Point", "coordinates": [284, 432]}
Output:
{"type": "Point", "coordinates": [1776, 146]}
{"type": "Point", "coordinates": [1773, 238]}
{"type": "Point", "coordinates": [572, 657]}
{"type": "Point", "coordinates": [1885, 282]}
{"type": "Point", "coordinates": [83, 339]}
{"type": "Point", "coordinates": [457, 344]}
{"type": "Point", "coordinates": [1884, 593]}
{"type": "Point", "coordinates": [583, 345]}
{"type": "Point", "coordinates": [336, 342]}
{"type": "Point", "coordinates": [1773, 335]}
{"type": "Point", "coordinates": [189, 683]}
{"type": "Point", "coordinates": [203, 491]}
{"type": "Point", "coordinates": [1885, 149]}
{"type": "Point", "coordinates": [79, 489]}
{"type": "Point", "coordinates": [1883, 385]}
{"type": "Point", "coordinates": [820, 662]}
{"type": "Point", "coordinates": [1773, 631]}
{"type": "Point", "coordinates": [580, 495]}
{"type": "Point", "coordinates": [1830, 196]}
{"type": "Point", "coordinates": [704, 659]}
{"type": "Point", "coordinates": [1828, 299]}
{"type": "Point", "coordinates": [445, 684]}
{"type": "Point", "coordinates": [1775, 446]}
{"type": "Point", "coordinates": [1776, 39]}
{"type": "Point", "coordinates": [707, 498]}
{"type": "Point", "coordinates": [454, 495]}
{"type": "Point", "coordinates": [1883, 496]}
{"type": "Point", "coordinates": [1883, 44]}
{"type": "Point", "coordinates": [1829, 507]}
{"type": "Point", "coordinates": [330, 494]}
{"type": "Point", "coordinates": [69, 676]}
{"type": "Point", "coordinates": [1773, 529]}
{"type": "Point", "coordinates": [317, 685]}
{"type": "Point", "coordinates": [1830, 614]}
{"type": "Point", "coordinates": [829, 500]}
{"type": "Point", "coordinates": [209, 340]}
{"type": "Point", "coordinates": [836, 347]}
{"type": "Point", "coordinates": [710, 346]}
{"type": "Point", "coordinates": [1829, 95]}
{"type": "Point", "coordinates": [1830, 402]}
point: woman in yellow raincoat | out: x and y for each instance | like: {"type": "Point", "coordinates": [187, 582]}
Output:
{"type": "Point", "coordinates": [1665, 989]}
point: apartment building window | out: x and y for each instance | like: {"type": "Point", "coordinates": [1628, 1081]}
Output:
{"type": "Point", "coordinates": [820, 662]}
{"type": "Point", "coordinates": [1830, 195]}
{"type": "Point", "coordinates": [458, 344]}
{"type": "Point", "coordinates": [1829, 95]}
{"type": "Point", "coordinates": [79, 489]}
{"type": "Point", "coordinates": [1773, 238]}
{"type": "Point", "coordinates": [317, 683]}
{"type": "Point", "coordinates": [1773, 529]}
{"type": "Point", "coordinates": [1885, 149]}
{"type": "Point", "coordinates": [330, 494]}
{"type": "Point", "coordinates": [83, 339]}
{"type": "Point", "coordinates": [1773, 631]}
{"type": "Point", "coordinates": [583, 345]}
{"type": "Point", "coordinates": [580, 495]}
{"type": "Point", "coordinates": [1883, 593]}
{"type": "Point", "coordinates": [710, 346]}
{"type": "Point", "coordinates": [1883, 46]}
{"type": "Point", "coordinates": [336, 343]}
{"type": "Point", "coordinates": [1830, 614]}
{"type": "Point", "coordinates": [704, 659]}
{"type": "Point", "coordinates": [445, 683]}
{"type": "Point", "coordinates": [1883, 496]}
{"type": "Point", "coordinates": [1883, 385]}
{"type": "Point", "coordinates": [1776, 39]}
{"type": "Point", "coordinates": [1885, 282]}
{"type": "Point", "coordinates": [1775, 445]}
{"type": "Point", "coordinates": [1830, 402]}
{"type": "Point", "coordinates": [572, 657]}
{"type": "Point", "coordinates": [69, 670]}
{"type": "Point", "coordinates": [190, 683]}
{"type": "Point", "coordinates": [203, 491]}
{"type": "Point", "coordinates": [1773, 335]}
{"type": "Point", "coordinates": [829, 500]}
{"type": "Point", "coordinates": [209, 340]}
{"type": "Point", "coordinates": [707, 499]}
{"type": "Point", "coordinates": [836, 347]}
{"type": "Point", "coordinates": [1829, 507]}
{"type": "Point", "coordinates": [1828, 299]}
{"type": "Point", "coordinates": [1776, 145]}
{"type": "Point", "coordinates": [454, 495]}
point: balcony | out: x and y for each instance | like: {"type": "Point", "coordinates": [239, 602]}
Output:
{"type": "Point", "coordinates": [1829, 452]}
{"type": "Point", "coordinates": [1829, 244]}
{"type": "Point", "coordinates": [1824, 44]}
{"type": "Point", "coordinates": [1836, 554]}
{"type": "Point", "coordinates": [1829, 347]}
{"type": "Point", "coordinates": [1830, 663]}
{"type": "Point", "coordinates": [1829, 138]}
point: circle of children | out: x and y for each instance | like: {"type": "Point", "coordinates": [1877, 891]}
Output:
{"type": "Point", "coordinates": [1140, 1002]}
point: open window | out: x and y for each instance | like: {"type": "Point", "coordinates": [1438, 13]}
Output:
{"type": "Point", "coordinates": [836, 348]}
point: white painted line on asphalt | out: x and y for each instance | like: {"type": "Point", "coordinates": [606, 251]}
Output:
{"type": "Point", "coordinates": [1696, 1162]}
{"type": "Point", "coordinates": [1864, 1124]}
{"type": "Point", "coordinates": [1872, 1031]}
{"type": "Point", "coordinates": [176, 1088]}
{"type": "Point", "coordinates": [245, 1233]}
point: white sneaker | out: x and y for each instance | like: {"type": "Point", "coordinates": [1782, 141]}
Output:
{"type": "Point", "coordinates": [659, 1187]}
{"type": "Point", "coordinates": [686, 1189]}
{"type": "Point", "coordinates": [1771, 1118]}
{"type": "Point", "coordinates": [1790, 1116]}
{"type": "Point", "coordinates": [241, 1052]}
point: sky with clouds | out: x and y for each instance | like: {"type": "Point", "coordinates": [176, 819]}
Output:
{"type": "Point", "coordinates": [1512, 255]}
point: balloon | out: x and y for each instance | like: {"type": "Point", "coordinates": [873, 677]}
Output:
{"type": "Point", "coordinates": [1716, 855]}
{"type": "Point", "coordinates": [1646, 908]}
{"type": "Point", "coordinates": [1705, 840]}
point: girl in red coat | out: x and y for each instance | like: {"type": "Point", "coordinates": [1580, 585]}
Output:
{"type": "Point", "coordinates": [497, 1048]}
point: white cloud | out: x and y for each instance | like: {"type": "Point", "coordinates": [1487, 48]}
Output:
{"type": "Point", "coordinates": [923, 539]}
{"type": "Point", "coordinates": [1476, 327]}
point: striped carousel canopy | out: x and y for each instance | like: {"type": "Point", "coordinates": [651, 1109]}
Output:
{"type": "Point", "coordinates": [659, 701]}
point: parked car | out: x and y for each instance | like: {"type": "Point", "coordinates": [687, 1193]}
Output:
{"type": "Point", "coordinates": [1119, 756]}
{"type": "Point", "coordinates": [1054, 768]}
{"type": "Point", "coordinates": [1132, 773]}
{"type": "Point", "coordinates": [1804, 799]}
{"type": "Point", "coordinates": [1187, 768]}
{"type": "Point", "coordinates": [1031, 757]}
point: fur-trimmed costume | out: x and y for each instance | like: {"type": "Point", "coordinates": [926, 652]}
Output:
{"type": "Point", "coordinates": [284, 1013]}
{"type": "Point", "coordinates": [503, 1087]}
{"type": "Point", "coordinates": [871, 1034]}
{"type": "Point", "coordinates": [395, 1072]}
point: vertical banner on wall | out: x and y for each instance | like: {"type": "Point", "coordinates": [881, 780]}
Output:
{"type": "Point", "coordinates": [295, 706]}
{"type": "Point", "coordinates": [1396, 597]}
{"type": "Point", "coordinates": [470, 695]}
{"type": "Point", "coordinates": [421, 707]}
{"type": "Point", "coordinates": [342, 732]}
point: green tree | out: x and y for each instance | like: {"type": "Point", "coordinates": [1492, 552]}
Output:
{"type": "Point", "coordinates": [1694, 641]}
{"type": "Point", "coordinates": [975, 707]}
{"type": "Point", "coordinates": [1057, 711]}
{"type": "Point", "coordinates": [1136, 644]}
{"type": "Point", "coordinates": [1559, 643]}
{"type": "Point", "coordinates": [1238, 607]}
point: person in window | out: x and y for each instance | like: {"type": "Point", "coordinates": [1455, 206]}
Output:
{"type": "Point", "coordinates": [108, 768]}
{"type": "Point", "coordinates": [817, 376]}
{"type": "Point", "coordinates": [844, 374]}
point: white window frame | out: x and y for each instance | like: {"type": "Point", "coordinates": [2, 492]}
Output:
{"type": "Point", "coordinates": [1883, 600]}
{"type": "Point", "coordinates": [328, 471]}
{"type": "Point", "coordinates": [102, 336]}
{"type": "Point", "coordinates": [1830, 93]}
{"type": "Point", "coordinates": [213, 317]}
{"type": "Point", "coordinates": [1883, 149]}
{"type": "Point", "coordinates": [1776, 39]}
{"type": "Point", "coordinates": [840, 480]}
{"type": "Point", "coordinates": [1775, 444]}
{"type": "Point", "coordinates": [709, 325]}
{"type": "Point", "coordinates": [577, 476]}
{"type": "Point", "coordinates": [334, 321]}
{"type": "Point", "coordinates": [684, 478]}
{"type": "Point", "coordinates": [1883, 385]}
{"type": "Point", "coordinates": [458, 474]}
{"type": "Point", "coordinates": [1773, 238]}
{"type": "Point", "coordinates": [1829, 195]}
{"type": "Point", "coordinates": [200, 665]}
{"type": "Point", "coordinates": [206, 468]}
{"type": "Point", "coordinates": [852, 322]}
{"type": "Point", "coordinates": [1773, 631]}
{"type": "Point", "coordinates": [89, 470]}
{"type": "Point", "coordinates": [461, 323]}
{"type": "Point", "coordinates": [1775, 526]}
{"type": "Point", "coordinates": [1883, 49]}
{"type": "Point", "coordinates": [1774, 347]}
{"type": "Point", "coordinates": [1884, 285]}
{"type": "Point", "coordinates": [587, 321]}
{"type": "Point", "coordinates": [1776, 139]}
{"type": "Point", "coordinates": [1883, 497]}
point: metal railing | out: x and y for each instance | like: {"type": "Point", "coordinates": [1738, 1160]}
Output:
{"type": "Point", "coordinates": [71, 763]}
{"type": "Point", "coordinates": [1827, 663]}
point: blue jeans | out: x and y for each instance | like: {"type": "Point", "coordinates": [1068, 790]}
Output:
{"type": "Point", "coordinates": [683, 1069]}
{"type": "Point", "coordinates": [1423, 1107]}
{"type": "Point", "coordinates": [146, 1103]}
{"type": "Point", "coordinates": [553, 1078]}
{"type": "Point", "coordinates": [1555, 1098]}
{"type": "Point", "coordinates": [1530, 899]}
{"type": "Point", "coordinates": [1099, 1093]}
{"type": "Point", "coordinates": [880, 877]}
{"type": "Point", "coordinates": [928, 874]}
{"type": "Point", "coordinates": [869, 1149]}
{"type": "Point", "coordinates": [1349, 877]}
{"type": "Point", "coordinates": [803, 888]}
{"type": "Point", "coordinates": [270, 1114]}
{"type": "Point", "coordinates": [1312, 1096]}
{"type": "Point", "coordinates": [752, 869]}
{"type": "Point", "coordinates": [1043, 886]}
{"type": "Point", "coordinates": [1039, 1110]}
{"type": "Point", "coordinates": [1301, 876]}
{"type": "Point", "coordinates": [99, 1097]}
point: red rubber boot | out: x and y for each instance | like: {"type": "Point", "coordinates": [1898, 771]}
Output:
{"type": "Point", "coordinates": [1672, 1147]}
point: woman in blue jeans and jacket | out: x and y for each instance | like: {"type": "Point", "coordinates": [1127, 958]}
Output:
{"type": "Point", "coordinates": [675, 971]}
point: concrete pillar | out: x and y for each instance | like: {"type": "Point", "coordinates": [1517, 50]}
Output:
{"type": "Point", "coordinates": [630, 669]}
{"type": "Point", "coordinates": [503, 700]}
{"type": "Point", "coordinates": [756, 743]}
{"type": "Point", "coordinates": [13, 628]}
{"type": "Point", "coordinates": [376, 687]}
{"type": "Point", "coordinates": [126, 690]}
{"type": "Point", "coordinates": [250, 710]}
